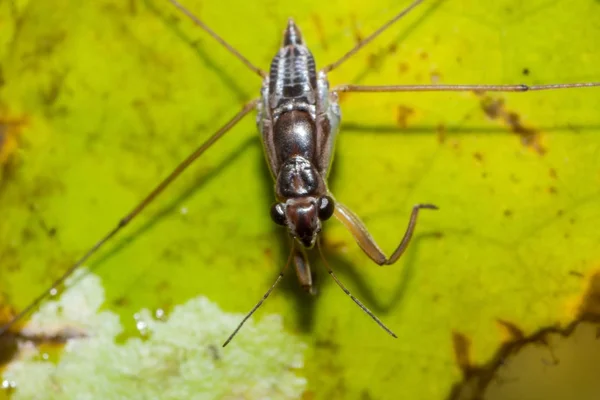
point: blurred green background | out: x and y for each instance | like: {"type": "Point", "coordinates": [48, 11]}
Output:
{"type": "Point", "coordinates": [99, 100]}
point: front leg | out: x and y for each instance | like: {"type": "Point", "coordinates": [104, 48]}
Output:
{"type": "Point", "coordinates": [366, 241]}
{"type": "Point", "coordinates": [303, 269]}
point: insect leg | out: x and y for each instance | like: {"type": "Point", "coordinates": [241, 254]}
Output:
{"type": "Point", "coordinates": [460, 88]}
{"type": "Point", "coordinates": [303, 270]}
{"type": "Point", "coordinates": [366, 241]}
{"type": "Point", "coordinates": [125, 220]}
{"type": "Point", "coordinates": [219, 39]}
{"type": "Point", "coordinates": [369, 38]}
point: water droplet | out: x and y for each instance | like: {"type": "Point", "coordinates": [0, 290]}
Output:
{"type": "Point", "coordinates": [53, 292]}
{"type": "Point", "coordinates": [9, 385]}
{"type": "Point", "coordinates": [142, 327]}
{"type": "Point", "coordinates": [159, 313]}
{"type": "Point", "coordinates": [183, 210]}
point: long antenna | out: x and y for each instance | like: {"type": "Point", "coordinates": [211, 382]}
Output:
{"type": "Point", "coordinates": [263, 298]}
{"type": "Point", "coordinates": [369, 38]}
{"type": "Point", "coordinates": [129, 217]}
{"type": "Point", "coordinates": [341, 285]}
{"type": "Point", "coordinates": [219, 39]}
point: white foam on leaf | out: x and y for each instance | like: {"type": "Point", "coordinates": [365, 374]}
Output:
{"type": "Point", "coordinates": [180, 356]}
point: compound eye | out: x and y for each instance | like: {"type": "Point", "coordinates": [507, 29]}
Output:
{"type": "Point", "coordinates": [278, 213]}
{"type": "Point", "coordinates": [326, 207]}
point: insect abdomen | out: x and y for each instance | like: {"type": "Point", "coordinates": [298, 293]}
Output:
{"type": "Point", "coordinates": [293, 77]}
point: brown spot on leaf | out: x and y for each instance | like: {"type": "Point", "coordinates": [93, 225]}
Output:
{"type": "Point", "coordinates": [529, 137]}
{"type": "Point", "coordinates": [10, 137]}
{"type": "Point", "coordinates": [121, 301]}
{"type": "Point", "coordinates": [590, 305]}
{"type": "Point", "coordinates": [552, 190]}
{"type": "Point", "coordinates": [495, 108]}
{"type": "Point", "coordinates": [403, 114]}
{"type": "Point", "coordinates": [478, 156]}
{"type": "Point", "coordinates": [576, 273]}
{"type": "Point", "coordinates": [491, 107]}
{"type": "Point", "coordinates": [9, 347]}
{"type": "Point", "coordinates": [508, 213]}
{"type": "Point", "coordinates": [552, 173]}
{"type": "Point", "coordinates": [373, 60]}
{"type": "Point", "coordinates": [402, 68]}
{"type": "Point", "coordinates": [365, 395]}
{"type": "Point", "coordinates": [327, 343]}
{"type": "Point", "coordinates": [441, 133]}
{"type": "Point", "coordinates": [50, 94]}
{"type": "Point", "coordinates": [513, 331]}
{"type": "Point", "coordinates": [462, 345]}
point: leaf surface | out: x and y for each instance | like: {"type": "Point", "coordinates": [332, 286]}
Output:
{"type": "Point", "coordinates": [100, 100]}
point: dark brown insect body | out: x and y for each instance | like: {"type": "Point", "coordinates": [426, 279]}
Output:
{"type": "Point", "coordinates": [298, 117]}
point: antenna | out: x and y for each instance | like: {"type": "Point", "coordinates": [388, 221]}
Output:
{"type": "Point", "coordinates": [361, 305]}
{"type": "Point", "coordinates": [263, 298]}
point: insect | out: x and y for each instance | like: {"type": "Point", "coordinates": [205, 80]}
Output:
{"type": "Point", "coordinates": [298, 119]}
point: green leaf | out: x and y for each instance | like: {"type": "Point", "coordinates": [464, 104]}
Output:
{"type": "Point", "coordinates": [100, 100]}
